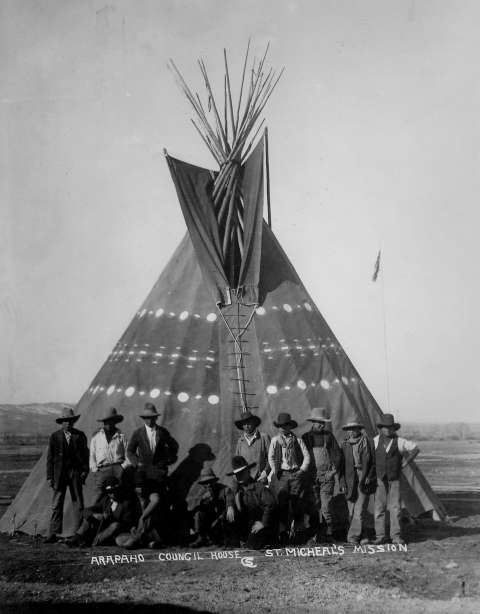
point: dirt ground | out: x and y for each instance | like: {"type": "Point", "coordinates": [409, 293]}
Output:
{"type": "Point", "coordinates": [440, 572]}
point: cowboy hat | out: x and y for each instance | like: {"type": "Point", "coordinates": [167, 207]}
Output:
{"type": "Point", "coordinates": [352, 425]}
{"type": "Point", "coordinates": [149, 411]}
{"type": "Point", "coordinates": [247, 417]}
{"type": "Point", "coordinates": [111, 484]}
{"type": "Point", "coordinates": [111, 415]}
{"type": "Point", "coordinates": [68, 415]}
{"type": "Point", "coordinates": [389, 421]}
{"type": "Point", "coordinates": [285, 419]}
{"type": "Point", "coordinates": [207, 475]}
{"type": "Point", "coordinates": [239, 464]}
{"type": "Point", "coordinates": [318, 414]}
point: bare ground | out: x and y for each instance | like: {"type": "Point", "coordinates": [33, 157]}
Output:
{"type": "Point", "coordinates": [440, 572]}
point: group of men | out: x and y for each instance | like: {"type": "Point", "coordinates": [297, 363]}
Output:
{"type": "Point", "coordinates": [281, 491]}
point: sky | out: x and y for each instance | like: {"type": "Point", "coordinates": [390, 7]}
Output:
{"type": "Point", "coordinates": [374, 144]}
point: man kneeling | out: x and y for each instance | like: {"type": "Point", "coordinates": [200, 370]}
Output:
{"type": "Point", "coordinates": [251, 508]}
{"type": "Point", "coordinates": [102, 523]}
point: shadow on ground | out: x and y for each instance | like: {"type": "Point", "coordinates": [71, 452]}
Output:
{"type": "Point", "coordinates": [99, 607]}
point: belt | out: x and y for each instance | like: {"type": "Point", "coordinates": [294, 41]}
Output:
{"type": "Point", "coordinates": [105, 465]}
{"type": "Point", "coordinates": [289, 470]}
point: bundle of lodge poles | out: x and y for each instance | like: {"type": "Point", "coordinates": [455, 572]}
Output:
{"type": "Point", "coordinates": [230, 135]}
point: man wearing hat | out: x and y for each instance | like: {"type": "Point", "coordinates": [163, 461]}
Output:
{"type": "Point", "coordinates": [357, 478]}
{"type": "Point", "coordinates": [102, 523]}
{"type": "Point", "coordinates": [325, 463]}
{"type": "Point", "coordinates": [251, 508]}
{"type": "Point", "coordinates": [67, 466]}
{"type": "Point", "coordinates": [391, 454]}
{"type": "Point", "coordinates": [108, 449]}
{"type": "Point", "coordinates": [151, 450]}
{"type": "Point", "coordinates": [289, 459]}
{"type": "Point", "coordinates": [206, 504]}
{"type": "Point", "coordinates": [253, 445]}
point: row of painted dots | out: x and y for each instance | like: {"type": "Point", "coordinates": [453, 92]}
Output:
{"type": "Point", "coordinates": [211, 317]}
{"type": "Point", "coordinates": [183, 397]}
{"type": "Point", "coordinates": [325, 384]}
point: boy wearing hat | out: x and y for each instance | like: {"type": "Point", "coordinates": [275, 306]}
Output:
{"type": "Point", "coordinates": [325, 463]}
{"type": "Point", "coordinates": [253, 445]}
{"type": "Point", "coordinates": [151, 450]}
{"type": "Point", "coordinates": [392, 453]}
{"type": "Point", "coordinates": [206, 504]}
{"type": "Point", "coordinates": [102, 523]}
{"type": "Point", "coordinates": [289, 459]}
{"type": "Point", "coordinates": [251, 509]}
{"type": "Point", "coordinates": [67, 466]}
{"type": "Point", "coordinates": [108, 449]}
{"type": "Point", "coordinates": [357, 478]}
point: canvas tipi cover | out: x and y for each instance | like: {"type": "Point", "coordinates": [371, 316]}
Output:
{"type": "Point", "coordinates": [177, 353]}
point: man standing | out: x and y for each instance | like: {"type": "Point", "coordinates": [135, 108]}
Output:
{"type": "Point", "coordinates": [392, 453]}
{"type": "Point", "coordinates": [253, 445]}
{"type": "Point", "coordinates": [250, 510]}
{"type": "Point", "coordinates": [151, 450]}
{"type": "Point", "coordinates": [289, 459]}
{"type": "Point", "coordinates": [357, 478]}
{"type": "Point", "coordinates": [108, 449]}
{"type": "Point", "coordinates": [326, 461]}
{"type": "Point", "coordinates": [67, 466]}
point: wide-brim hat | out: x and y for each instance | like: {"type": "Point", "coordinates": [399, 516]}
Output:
{"type": "Point", "coordinates": [207, 475]}
{"type": "Point", "coordinates": [68, 415]}
{"type": "Point", "coordinates": [111, 415]}
{"type": "Point", "coordinates": [149, 411]}
{"type": "Point", "coordinates": [352, 425]}
{"type": "Point", "coordinates": [388, 421]}
{"type": "Point", "coordinates": [247, 417]}
{"type": "Point", "coordinates": [239, 464]}
{"type": "Point", "coordinates": [111, 484]}
{"type": "Point", "coordinates": [319, 414]}
{"type": "Point", "coordinates": [285, 420]}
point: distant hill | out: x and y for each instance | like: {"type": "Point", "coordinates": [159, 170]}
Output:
{"type": "Point", "coordinates": [33, 420]}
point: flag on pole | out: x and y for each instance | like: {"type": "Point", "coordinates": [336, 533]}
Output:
{"type": "Point", "coordinates": [376, 269]}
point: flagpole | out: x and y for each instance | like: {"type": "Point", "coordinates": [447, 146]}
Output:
{"type": "Point", "coordinates": [385, 343]}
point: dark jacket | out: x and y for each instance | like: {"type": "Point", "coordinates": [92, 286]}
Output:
{"type": "Point", "coordinates": [319, 439]}
{"type": "Point", "coordinates": [348, 474]}
{"type": "Point", "coordinates": [62, 457]}
{"type": "Point", "coordinates": [258, 503]}
{"type": "Point", "coordinates": [140, 454]}
{"type": "Point", "coordinates": [126, 513]}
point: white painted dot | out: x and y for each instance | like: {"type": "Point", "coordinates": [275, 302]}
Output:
{"type": "Point", "coordinates": [307, 306]}
{"type": "Point", "coordinates": [211, 317]}
{"type": "Point", "coordinates": [272, 389]}
{"type": "Point", "coordinates": [183, 397]}
{"type": "Point", "coordinates": [142, 313]}
{"type": "Point", "coordinates": [183, 315]}
{"type": "Point", "coordinates": [150, 313]}
{"type": "Point", "coordinates": [197, 315]}
{"type": "Point", "coordinates": [110, 390]}
{"type": "Point", "coordinates": [174, 355]}
{"type": "Point", "coordinates": [171, 314]}
{"type": "Point", "coordinates": [198, 396]}
{"type": "Point", "coordinates": [154, 393]}
{"type": "Point", "coordinates": [213, 399]}
{"type": "Point", "coordinates": [275, 308]}
{"type": "Point", "coordinates": [168, 393]}
{"type": "Point", "coordinates": [353, 379]}
{"type": "Point", "coordinates": [95, 389]}
{"type": "Point", "coordinates": [130, 391]}
{"type": "Point", "coordinates": [287, 387]}
{"type": "Point", "coordinates": [301, 384]}
{"type": "Point", "coordinates": [325, 384]}
{"type": "Point", "coordinates": [287, 307]}
{"type": "Point", "coordinates": [119, 389]}
{"type": "Point", "coordinates": [261, 311]}
{"type": "Point", "coordinates": [345, 380]}
{"type": "Point", "coordinates": [142, 393]}
{"type": "Point", "coordinates": [158, 354]}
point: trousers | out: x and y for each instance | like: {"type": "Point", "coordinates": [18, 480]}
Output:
{"type": "Point", "coordinates": [387, 497]}
{"type": "Point", "coordinates": [357, 512]}
{"type": "Point", "coordinates": [74, 484]}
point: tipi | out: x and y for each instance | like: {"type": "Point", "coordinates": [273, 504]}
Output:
{"type": "Point", "coordinates": [228, 326]}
